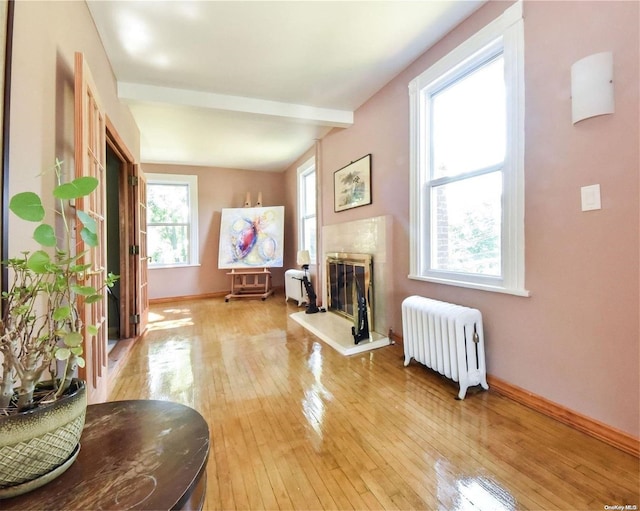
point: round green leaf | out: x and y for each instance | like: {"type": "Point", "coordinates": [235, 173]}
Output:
{"type": "Point", "coordinates": [83, 290]}
{"type": "Point", "coordinates": [92, 329]}
{"type": "Point", "coordinates": [77, 188]}
{"type": "Point", "coordinates": [39, 261]}
{"type": "Point", "coordinates": [93, 298]}
{"type": "Point", "coordinates": [77, 268]}
{"type": "Point", "coordinates": [89, 237]}
{"type": "Point", "coordinates": [45, 235]}
{"type": "Point", "coordinates": [80, 361]}
{"type": "Point", "coordinates": [77, 350]}
{"type": "Point", "coordinates": [61, 313]}
{"type": "Point", "coordinates": [72, 339]}
{"type": "Point", "coordinates": [88, 221]}
{"type": "Point", "coordinates": [63, 353]}
{"type": "Point", "coordinates": [28, 206]}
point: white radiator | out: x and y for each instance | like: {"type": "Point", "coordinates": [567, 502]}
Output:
{"type": "Point", "coordinates": [293, 286]}
{"type": "Point", "coordinates": [447, 338]}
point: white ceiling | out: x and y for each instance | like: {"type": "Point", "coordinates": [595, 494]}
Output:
{"type": "Point", "coordinates": [250, 84]}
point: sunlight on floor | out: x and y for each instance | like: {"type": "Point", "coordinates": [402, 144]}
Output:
{"type": "Point", "coordinates": [158, 322]}
{"type": "Point", "coordinates": [465, 492]}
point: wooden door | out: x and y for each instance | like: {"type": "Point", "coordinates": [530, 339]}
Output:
{"type": "Point", "coordinates": [141, 262]}
{"type": "Point", "coordinates": [90, 159]}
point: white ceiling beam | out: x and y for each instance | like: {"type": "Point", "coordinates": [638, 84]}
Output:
{"type": "Point", "coordinates": [183, 97]}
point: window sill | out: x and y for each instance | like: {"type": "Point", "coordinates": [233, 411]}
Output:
{"type": "Point", "coordinates": [174, 266]}
{"type": "Point", "coordinates": [474, 285]}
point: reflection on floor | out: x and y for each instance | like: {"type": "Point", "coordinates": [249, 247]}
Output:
{"type": "Point", "coordinates": [296, 425]}
{"type": "Point", "coordinates": [335, 330]}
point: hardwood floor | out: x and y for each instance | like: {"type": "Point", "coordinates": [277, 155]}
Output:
{"type": "Point", "coordinates": [295, 425]}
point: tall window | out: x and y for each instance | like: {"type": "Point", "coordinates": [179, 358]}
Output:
{"type": "Point", "coordinates": [467, 202]}
{"type": "Point", "coordinates": [307, 208]}
{"type": "Point", "coordinates": [172, 220]}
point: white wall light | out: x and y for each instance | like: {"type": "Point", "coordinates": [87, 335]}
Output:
{"type": "Point", "coordinates": [592, 86]}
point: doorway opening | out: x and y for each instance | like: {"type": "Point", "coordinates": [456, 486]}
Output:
{"type": "Point", "coordinates": [114, 171]}
{"type": "Point", "coordinates": [126, 254]}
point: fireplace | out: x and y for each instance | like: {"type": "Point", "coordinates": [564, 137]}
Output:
{"type": "Point", "coordinates": [349, 249]}
{"type": "Point", "coordinates": [349, 281]}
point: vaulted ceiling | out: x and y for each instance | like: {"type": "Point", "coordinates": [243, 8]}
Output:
{"type": "Point", "coordinates": [250, 84]}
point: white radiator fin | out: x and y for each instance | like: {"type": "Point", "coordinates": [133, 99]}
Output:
{"type": "Point", "coordinates": [447, 338]}
{"type": "Point", "coordinates": [293, 286]}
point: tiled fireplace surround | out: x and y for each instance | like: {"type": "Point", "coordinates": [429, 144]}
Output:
{"type": "Point", "coordinates": [367, 236]}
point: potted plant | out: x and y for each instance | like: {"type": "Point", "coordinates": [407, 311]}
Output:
{"type": "Point", "coordinates": [41, 338]}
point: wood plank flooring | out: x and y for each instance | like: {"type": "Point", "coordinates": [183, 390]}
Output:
{"type": "Point", "coordinates": [295, 425]}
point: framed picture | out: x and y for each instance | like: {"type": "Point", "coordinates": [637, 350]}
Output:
{"type": "Point", "coordinates": [352, 185]}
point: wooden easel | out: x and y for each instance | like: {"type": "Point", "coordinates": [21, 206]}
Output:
{"type": "Point", "coordinates": [250, 284]}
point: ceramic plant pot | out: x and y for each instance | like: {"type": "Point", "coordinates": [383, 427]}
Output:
{"type": "Point", "coordinates": [38, 445]}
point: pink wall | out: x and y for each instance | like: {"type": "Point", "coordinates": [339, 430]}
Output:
{"type": "Point", "coordinates": [217, 188]}
{"type": "Point", "coordinates": [575, 341]}
{"type": "Point", "coordinates": [42, 98]}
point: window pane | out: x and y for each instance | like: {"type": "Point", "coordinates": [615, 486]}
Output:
{"type": "Point", "coordinates": [466, 225]}
{"type": "Point", "coordinates": [309, 191]}
{"type": "Point", "coordinates": [309, 236]}
{"type": "Point", "coordinates": [167, 203]}
{"type": "Point", "coordinates": [469, 122]}
{"type": "Point", "coordinates": [168, 244]}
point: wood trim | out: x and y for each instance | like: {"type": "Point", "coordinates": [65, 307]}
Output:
{"type": "Point", "coordinates": [117, 142]}
{"type": "Point", "coordinates": [217, 294]}
{"type": "Point", "coordinates": [4, 149]}
{"type": "Point", "coordinates": [591, 427]}
{"type": "Point", "coordinates": [169, 299]}
{"type": "Point", "coordinates": [118, 358]}
{"type": "Point", "coordinates": [127, 213]}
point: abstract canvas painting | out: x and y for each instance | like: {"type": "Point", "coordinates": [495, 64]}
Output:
{"type": "Point", "coordinates": [251, 238]}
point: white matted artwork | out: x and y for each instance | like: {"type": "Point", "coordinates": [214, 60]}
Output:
{"type": "Point", "coordinates": [251, 238]}
{"type": "Point", "coordinates": [352, 185]}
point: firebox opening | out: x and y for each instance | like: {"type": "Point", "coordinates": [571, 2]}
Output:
{"type": "Point", "coordinates": [349, 279]}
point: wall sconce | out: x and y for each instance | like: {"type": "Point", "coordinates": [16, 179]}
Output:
{"type": "Point", "coordinates": [592, 86]}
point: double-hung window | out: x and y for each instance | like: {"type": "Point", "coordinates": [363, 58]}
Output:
{"type": "Point", "coordinates": [467, 183]}
{"type": "Point", "coordinates": [307, 208]}
{"type": "Point", "coordinates": [172, 220]}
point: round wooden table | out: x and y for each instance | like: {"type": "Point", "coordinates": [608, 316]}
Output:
{"type": "Point", "coordinates": [134, 455]}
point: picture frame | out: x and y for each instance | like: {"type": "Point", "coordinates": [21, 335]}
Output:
{"type": "Point", "coordinates": [352, 185]}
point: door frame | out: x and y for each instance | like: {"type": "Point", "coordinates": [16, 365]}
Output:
{"type": "Point", "coordinates": [127, 214]}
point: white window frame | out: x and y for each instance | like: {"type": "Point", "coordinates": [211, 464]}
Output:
{"type": "Point", "coordinates": [304, 170]}
{"type": "Point", "coordinates": [505, 33]}
{"type": "Point", "coordinates": [191, 182]}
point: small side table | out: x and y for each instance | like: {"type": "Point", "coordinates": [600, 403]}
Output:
{"type": "Point", "coordinates": [250, 284]}
{"type": "Point", "coordinates": [146, 455]}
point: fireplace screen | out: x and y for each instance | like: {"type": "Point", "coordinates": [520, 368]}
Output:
{"type": "Point", "coordinates": [349, 277]}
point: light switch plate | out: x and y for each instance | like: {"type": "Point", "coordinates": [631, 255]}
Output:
{"type": "Point", "coordinates": [590, 197]}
